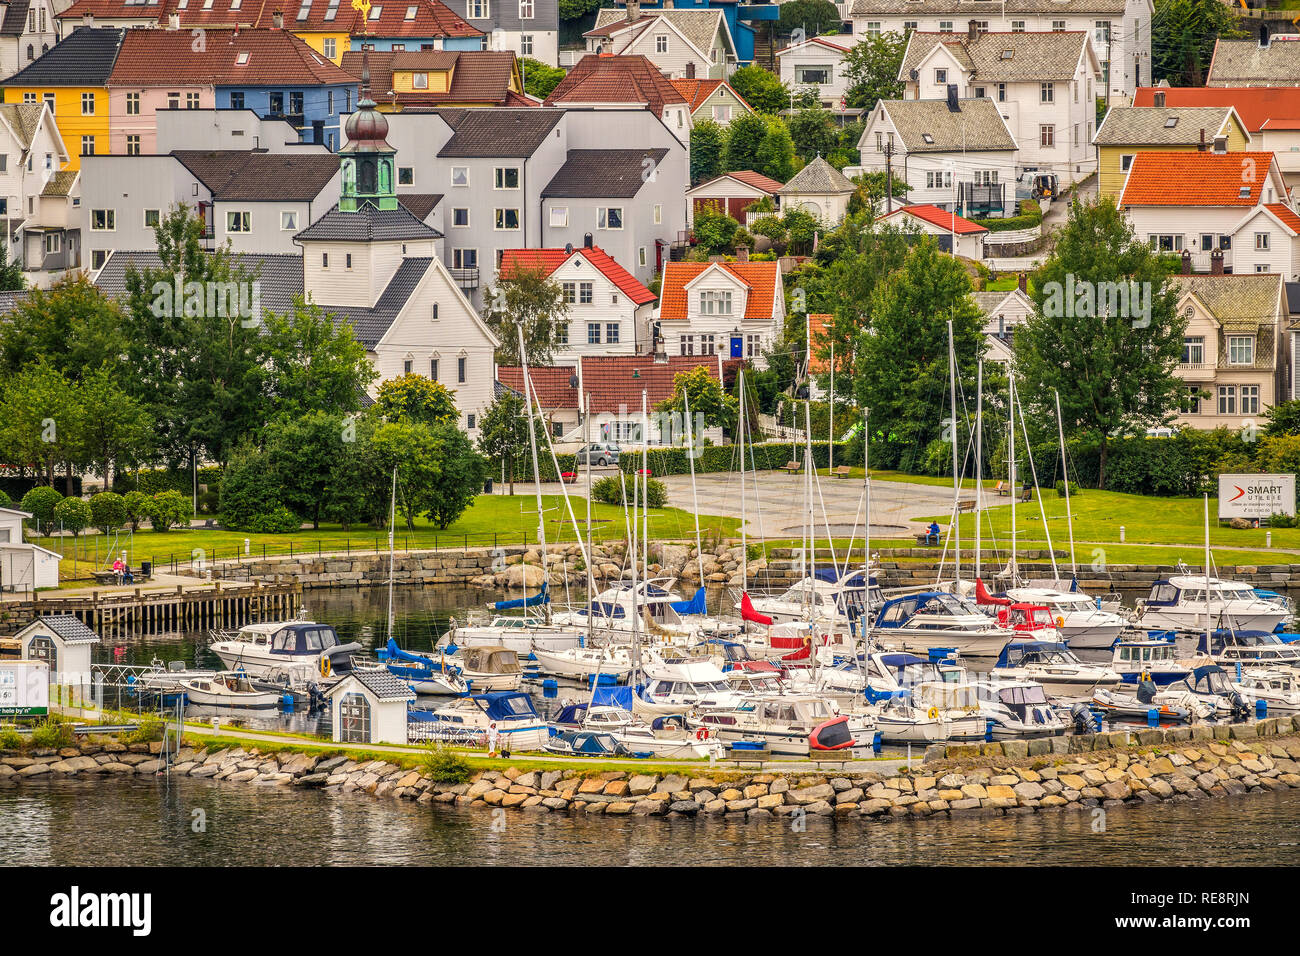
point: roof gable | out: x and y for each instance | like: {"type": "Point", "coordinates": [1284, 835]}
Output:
{"type": "Point", "coordinates": [762, 278]}
{"type": "Point", "coordinates": [1157, 178]}
{"type": "Point", "coordinates": [549, 260]}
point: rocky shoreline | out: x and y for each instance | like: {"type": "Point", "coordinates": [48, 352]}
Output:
{"type": "Point", "coordinates": [1060, 774]}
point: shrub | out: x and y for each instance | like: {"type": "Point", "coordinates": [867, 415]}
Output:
{"type": "Point", "coordinates": [108, 511]}
{"type": "Point", "coordinates": [168, 508]}
{"type": "Point", "coordinates": [52, 732]}
{"type": "Point", "coordinates": [40, 502]}
{"type": "Point", "coordinates": [5, 500]}
{"type": "Point", "coordinates": [1283, 521]}
{"type": "Point", "coordinates": [148, 730]}
{"type": "Point", "coordinates": [1075, 490]}
{"type": "Point", "coordinates": [72, 514]}
{"type": "Point", "coordinates": [610, 491]}
{"type": "Point", "coordinates": [444, 765]}
{"type": "Point", "coordinates": [137, 507]}
{"type": "Point", "coordinates": [11, 739]}
{"type": "Point", "coordinates": [279, 520]}
{"type": "Point", "coordinates": [209, 502]}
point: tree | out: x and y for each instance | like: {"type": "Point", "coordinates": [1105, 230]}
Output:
{"type": "Point", "coordinates": [714, 231]}
{"type": "Point", "coordinates": [299, 457]}
{"type": "Point", "coordinates": [540, 79]}
{"type": "Point", "coordinates": [802, 228]}
{"type": "Point", "coordinates": [72, 515]}
{"type": "Point", "coordinates": [813, 17]}
{"type": "Point", "coordinates": [416, 453]}
{"type": "Point", "coordinates": [1283, 418]}
{"type": "Point", "coordinates": [760, 89]}
{"type": "Point", "coordinates": [813, 133]}
{"type": "Point", "coordinates": [1183, 35]}
{"type": "Point", "coordinates": [871, 67]}
{"type": "Point", "coordinates": [72, 326]}
{"type": "Point", "coordinates": [40, 502]}
{"type": "Point", "coordinates": [414, 398]}
{"type": "Point", "coordinates": [576, 9]}
{"type": "Point", "coordinates": [11, 273]}
{"type": "Point", "coordinates": [870, 195]}
{"type": "Point", "coordinates": [775, 156]}
{"type": "Point", "coordinates": [137, 507]}
{"type": "Point", "coordinates": [38, 419]}
{"type": "Point", "coordinates": [710, 405]}
{"type": "Point", "coordinates": [250, 490]}
{"type": "Point", "coordinates": [313, 363]}
{"type": "Point", "coordinates": [459, 479]}
{"type": "Point", "coordinates": [503, 433]}
{"type": "Point", "coordinates": [526, 298]}
{"type": "Point", "coordinates": [107, 511]}
{"type": "Point", "coordinates": [744, 136]}
{"type": "Point", "coordinates": [1105, 332]}
{"type": "Point", "coordinates": [708, 146]}
{"type": "Point", "coordinates": [167, 509]}
{"type": "Point", "coordinates": [901, 370]}
{"type": "Point", "coordinates": [112, 426]}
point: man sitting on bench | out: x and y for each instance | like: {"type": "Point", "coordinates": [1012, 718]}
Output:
{"type": "Point", "coordinates": [932, 535]}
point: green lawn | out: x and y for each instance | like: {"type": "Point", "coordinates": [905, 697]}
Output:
{"type": "Point", "coordinates": [492, 520]}
{"type": "Point", "coordinates": [1006, 283]}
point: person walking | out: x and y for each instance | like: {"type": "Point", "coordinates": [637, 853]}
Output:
{"type": "Point", "coordinates": [492, 739]}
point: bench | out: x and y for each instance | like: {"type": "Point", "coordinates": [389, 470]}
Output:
{"type": "Point", "coordinates": [924, 539]}
{"type": "Point", "coordinates": [1002, 490]}
{"type": "Point", "coordinates": [965, 506]}
{"type": "Point", "coordinates": [841, 471]}
{"type": "Point", "coordinates": [792, 467]}
{"type": "Point", "coordinates": [1027, 494]}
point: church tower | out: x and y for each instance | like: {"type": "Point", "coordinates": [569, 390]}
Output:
{"type": "Point", "coordinates": [368, 162]}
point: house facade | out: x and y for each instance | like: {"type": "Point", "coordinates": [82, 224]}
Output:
{"type": "Point", "coordinates": [624, 82]}
{"type": "Point", "coordinates": [731, 309]}
{"type": "Point", "coordinates": [1127, 130]}
{"type": "Point", "coordinates": [39, 198]}
{"type": "Point", "coordinates": [442, 78]}
{"type": "Point", "coordinates": [820, 190]}
{"type": "Point", "coordinates": [28, 28]}
{"type": "Point", "coordinates": [1003, 313]}
{"type": "Point", "coordinates": [1270, 61]}
{"type": "Point", "coordinates": [733, 193]}
{"type": "Point", "coordinates": [817, 65]}
{"type": "Point", "coordinates": [687, 43]}
{"type": "Point", "coordinates": [528, 28]}
{"type": "Point", "coordinates": [712, 99]}
{"type": "Point", "coordinates": [24, 566]}
{"type": "Point", "coordinates": [954, 235]}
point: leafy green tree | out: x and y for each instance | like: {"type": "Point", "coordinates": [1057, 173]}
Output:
{"type": "Point", "coordinates": [415, 451]}
{"type": "Point", "coordinates": [714, 231]}
{"type": "Point", "coordinates": [40, 502]}
{"type": "Point", "coordinates": [1183, 34]}
{"type": "Point", "coordinates": [11, 273]}
{"type": "Point", "coordinates": [813, 17]}
{"type": "Point", "coordinates": [526, 298]}
{"type": "Point", "coordinates": [871, 67]}
{"type": "Point", "coordinates": [540, 79]}
{"type": "Point", "coordinates": [744, 137]}
{"type": "Point", "coordinates": [137, 508]}
{"type": "Point", "coordinates": [708, 147]}
{"type": "Point", "coordinates": [775, 156]}
{"type": "Point", "coordinates": [813, 133]}
{"type": "Point", "coordinates": [107, 511]}
{"type": "Point", "coordinates": [576, 9]}
{"type": "Point", "coordinates": [299, 455]}
{"type": "Point", "coordinates": [168, 509]}
{"type": "Point", "coordinates": [313, 364]}
{"type": "Point", "coordinates": [762, 90]}
{"type": "Point", "coordinates": [1105, 331]}
{"type": "Point", "coordinates": [901, 369]}
{"type": "Point", "coordinates": [1283, 418]}
{"type": "Point", "coordinates": [73, 515]}
{"type": "Point", "coordinates": [250, 489]}
{"type": "Point", "coordinates": [360, 486]}
{"type": "Point", "coordinates": [709, 403]}
{"type": "Point", "coordinates": [503, 433]}
{"type": "Point", "coordinates": [38, 419]}
{"type": "Point", "coordinates": [72, 326]}
{"type": "Point", "coordinates": [112, 427]}
{"type": "Point", "coordinates": [869, 197]}
{"type": "Point", "coordinates": [802, 228]}
{"type": "Point", "coordinates": [461, 476]}
{"type": "Point", "coordinates": [414, 398]}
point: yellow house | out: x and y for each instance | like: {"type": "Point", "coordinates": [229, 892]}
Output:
{"type": "Point", "coordinates": [1127, 130]}
{"type": "Point", "coordinates": [72, 77]}
{"type": "Point", "coordinates": [445, 78]}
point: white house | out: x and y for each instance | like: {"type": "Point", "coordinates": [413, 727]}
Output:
{"type": "Point", "coordinates": [1200, 203]}
{"type": "Point", "coordinates": [1043, 83]}
{"type": "Point", "coordinates": [1120, 29]}
{"type": "Point", "coordinates": [24, 566]}
{"type": "Point", "coordinates": [1003, 312]}
{"type": "Point", "coordinates": [954, 234]}
{"type": "Point", "coordinates": [38, 197]}
{"type": "Point", "coordinates": [957, 154]}
{"type": "Point", "coordinates": [817, 64]}
{"type": "Point", "coordinates": [369, 707]}
{"type": "Point", "coordinates": [736, 309]}
{"type": "Point", "coordinates": [820, 189]}
{"type": "Point", "coordinates": [681, 43]}
{"type": "Point", "coordinates": [62, 641]}
{"type": "Point", "coordinates": [609, 310]}
{"type": "Point", "coordinates": [733, 193]}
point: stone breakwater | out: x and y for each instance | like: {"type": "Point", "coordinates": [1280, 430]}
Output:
{"type": "Point", "coordinates": [991, 779]}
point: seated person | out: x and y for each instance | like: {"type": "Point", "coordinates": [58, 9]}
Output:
{"type": "Point", "coordinates": [932, 535]}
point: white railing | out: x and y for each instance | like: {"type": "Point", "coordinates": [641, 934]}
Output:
{"type": "Point", "coordinates": [1014, 235]}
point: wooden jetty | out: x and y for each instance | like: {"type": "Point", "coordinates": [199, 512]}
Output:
{"type": "Point", "coordinates": [121, 613]}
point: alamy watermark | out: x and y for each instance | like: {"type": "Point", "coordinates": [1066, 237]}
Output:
{"type": "Point", "coordinates": [1081, 298]}
{"type": "Point", "coordinates": [241, 300]}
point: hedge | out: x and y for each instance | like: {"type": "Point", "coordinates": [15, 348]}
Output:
{"type": "Point", "coordinates": [672, 460]}
{"type": "Point", "coordinates": [154, 480]}
{"type": "Point", "coordinates": [1010, 223]}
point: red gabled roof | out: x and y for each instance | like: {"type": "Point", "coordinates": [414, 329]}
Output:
{"type": "Point", "coordinates": [1256, 105]}
{"type": "Point", "coordinates": [551, 259]}
{"type": "Point", "coordinates": [757, 180]}
{"type": "Point", "coordinates": [613, 388]}
{"type": "Point", "coordinates": [602, 78]}
{"type": "Point", "coordinates": [1284, 213]}
{"type": "Point", "coordinates": [550, 384]}
{"type": "Point", "coordinates": [820, 41]}
{"type": "Point", "coordinates": [817, 322]}
{"type": "Point", "coordinates": [697, 91]}
{"type": "Point", "coordinates": [118, 9]}
{"type": "Point", "coordinates": [1164, 178]}
{"type": "Point", "coordinates": [760, 277]}
{"type": "Point", "coordinates": [477, 76]}
{"type": "Point", "coordinates": [941, 218]}
{"type": "Point", "coordinates": [168, 58]}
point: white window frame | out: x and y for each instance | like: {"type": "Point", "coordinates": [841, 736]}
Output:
{"type": "Point", "coordinates": [499, 219]}
{"type": "Point", "coordinates": [1238, 346]}
{"type": "Point", "coordinates": [109, 217]}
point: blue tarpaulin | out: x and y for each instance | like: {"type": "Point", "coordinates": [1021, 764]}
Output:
{"type": "Point", "coordinates": [540, 597]}
{"type": "Point", "coordinates": [612, 697]}
{"type": "Point", "coordinates": [694, 606]}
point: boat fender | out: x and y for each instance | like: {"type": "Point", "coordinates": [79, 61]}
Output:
{"type": "Point", "coordinates": [933, 713]}
{"type": "Point", "coordinates": [1060, 620]}
{"type": "Point", "coordinates": [324, 666]}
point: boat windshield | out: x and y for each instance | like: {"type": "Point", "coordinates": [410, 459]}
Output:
{"type": "Point", "coordinates": [947, 604]}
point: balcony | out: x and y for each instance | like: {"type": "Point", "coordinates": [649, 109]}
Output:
{"type": "Point", "coordinates": [1196, 371]}
{"type": "Point", "coordinates": [466, 278]}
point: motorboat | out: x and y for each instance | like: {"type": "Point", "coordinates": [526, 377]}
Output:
{"type": "Point", "coordinates": [896, 677]}
{"type": "Point", "coordinates": [230, 689]}
{"type": "Point", "coordinates": [1280, 690]}
{"type": "Point", "coordinates": [1209, 683]}
{"type": "Point", "coordinates": [1229, 646]}
{"type": "Point", "coordinates": [584, 743]}
{"type": "Point", "coordinates": [1151, 658]}
{"type": "Point", "coordinates": [756, 681]}
{"type": "Point", "coordinates": [840, 601]}
{"type": "Point", "coordinates": [425, 673]}
{"type": "Point", "coordinates": [469, 720]}
{"type": "Point", "coordinates": [918, 622]}
{"type": "Point", "coordinates": [523, 635]}
{"type": "Point", "coordinates": [666, 736]}
{"type": "Point", "coordinates": [1274, 597]}
{"type": "Point", "coordinates": [264, 648]}
{"type": "Point", "coordinates": [675, 685]}
{"type": "Point", "coordinates": [900, 721]}
{"type": "Point", "coordinates": [1182, 603]}
{"type": "Point", "coordinates": [1016, 708]}
{"type": "Point", "coordinates": [489, 667]}
{"type": "Point", "coordinates": [1030, 622]}
{"type": "Point", "coordinates": [1080, 620]}
{"type": "Point", "coordinates": [1170, 706]}
{"type": "Point", "coordinates": [1054, 666]}
{"type": "Point", "coordinates": [652, 603]}
{"type": "Point", "coordinates": [791, 725]}
{"type": "Point", "coordinates": [582, 663]}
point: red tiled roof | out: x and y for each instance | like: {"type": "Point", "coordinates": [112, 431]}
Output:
{"type": "Point", "coordinates": [478, 76]}
{"type": "Point", "coordinates": [941, 218]}
{"type": "Point", "coordinates": [760, 277]}
{"type": "Point", "coordinates": [1159, 178]}
{"type": "Point", "coordinates": [106, 9]}
{"type": "Point", "coordinates": [1283, 212]}
{"type": "Point", "coordinates": [609, 380]}
{"type": "Point", "coordinates": [167, 58]}
{"type": "Point", "coordinates": [1256, 105]}
{"type": "Point", "coordinates": [599, 78]}
{"type": "Point", "coordinates": [551, 259]}
{"type": "Point", "coordinates": [817, 328]}
{"type": "Point", "coordinates": [550, 384]}
{"type": "Point", "coordinates": [820, 41]}
{"type": "Point", "coordinates": [757, 180]}
{"type": "Point", "coordinates": [697, 91]}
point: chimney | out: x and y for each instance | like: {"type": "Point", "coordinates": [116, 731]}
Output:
{"type": "Point", "coordinates": [1220, 145]}
{"type": "Point", "coordinates": [971, 32]}
{"type": "Point", "coordinates": [1263, 35]}
{"type": "Point", "coordinates": [633, 9]}
{"type": "Point", "coordinates": [742, 253]}
{"type": "Point", "coordinates": [586, 241]}
{"type": "Point", "coordinates": [1022, 283]}
{"type": "Point", "coordinates": [1187, 262]}
{"type": "Point", "coordinates": [88, 20]}
{"type": "Point", "coordinates": [690, 70]}
{"type": "Point", "coordinates": [277, 19]}
{"type": "Point", "coordinates": [1216, 262]}
{"type": "Point", "coordinates": [1202, 145]}
{"type": "Point", "coordinates": [952, 99]}
{"type": "Point", "coordinates": [1158, 99]}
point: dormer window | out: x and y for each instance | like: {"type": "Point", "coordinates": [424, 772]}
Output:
{"type": "Point", "coordinates": [242, 59]}
{"type": "Point", "coordinates": [715, 303]}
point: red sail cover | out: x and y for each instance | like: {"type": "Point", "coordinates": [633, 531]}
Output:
{"type": "Point", "coordinates": [748, 613]}
{"type": "Point", "coordinates": [982, 595]}
{"type": "Point", "coordinates": [802, 654]}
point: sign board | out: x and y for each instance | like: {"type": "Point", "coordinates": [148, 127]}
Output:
{"type": "Point", "coordinates": [1256, 496]}
{"type": "Point", "coordinates": [24, 688]}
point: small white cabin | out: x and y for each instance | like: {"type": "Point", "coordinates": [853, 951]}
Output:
{"type": "Point", "coordinates": [63, 642]}
{"type": "Point", "coordinates": [369, 707]}
{"type": "Point", "coordinates": [24, 566]}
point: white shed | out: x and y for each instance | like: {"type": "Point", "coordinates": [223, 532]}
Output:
{"type": "Point", "coordinates": [369, 707]}
{"type": "Point", "coordinates": [24, 566]}
{"type": "Point", "coordinates": [62, 641]}
{"type": "Point", "coordinates": [820, 189]}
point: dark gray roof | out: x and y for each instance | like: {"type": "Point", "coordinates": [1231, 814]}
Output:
{"type": "Point", "coordinates": [369, 325]}
{"type": "Point", "coordinates": [10, 299]}
{"type": "Point", "coordinates": [603, 173]}
{"type": "Point", "coordinates": [255, 176]}
{"type": "Point", "coordinates": [420, 204]}
{"type": "Point", "coordinates": [382, 684]}
{"type": "Point", "coordinates": [514, 133]}
{"type": "Point", "coordinates": [279, 275]}
{"type": "Point", "coordinates": [367, 224]}
{"type": "Point", "coordinates": [85, 57]}
{"type": "Point", "coordinates": [15, 21]}
{"type": "Point", "coordinates": [500, 388]}
{"type": "Point", "coordinates": [70, 628]}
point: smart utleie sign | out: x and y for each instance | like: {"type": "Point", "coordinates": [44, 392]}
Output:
{"type": "Point", "coordinates": [1256, 496]}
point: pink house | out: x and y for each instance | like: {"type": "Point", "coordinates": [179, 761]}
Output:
{"type": "Point", "coordinates": [133, 126]}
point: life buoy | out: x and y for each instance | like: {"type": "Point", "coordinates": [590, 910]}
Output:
{"type": "Point", "coordinates": [701, 734]}
{"type": "Point", "coordinates": [325, 667]}
{"type": "Point", "coordinates": [933, 713]}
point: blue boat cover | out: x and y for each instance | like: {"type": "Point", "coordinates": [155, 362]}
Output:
{"type": "Point", "coordinates": [506, 704]}
{"type": "Point", "coordinates": [694, 606]}
{"type": "Point", "coordinates": [901, 660]}
{"type": "Point", "coordinates": [541, 597]}
{"type": "Point", "coordinates": [827, 574]}
{"type": "Point", "coordinates": [612, 697]}
{"type": "Point", "coordinates": [605, 609]}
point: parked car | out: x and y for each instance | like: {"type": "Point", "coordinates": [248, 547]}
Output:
{"type": "Point", "coordinates": [598, 453]}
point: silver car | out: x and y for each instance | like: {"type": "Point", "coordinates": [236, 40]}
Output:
{"type": "Point", "coordinates": [598, 453]}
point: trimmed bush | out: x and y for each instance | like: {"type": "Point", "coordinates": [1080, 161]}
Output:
{"type": "Point", "coordinates": [137, 508]}
{"type": "Point", "coordinates": [611, 491]}
{"type": "Point", "coordinates": [108, 511]}
{"type": "Point", "coordinates": [11, 739]}
{"type": "Point", "coordinates": [168, 508]}
{"type": "Point", "coordinates": [40, 503]}
{"type": "Point", "coordinates": [72, 514]}
{"type": "Point", "coordinates": [444, 765]}
{"type": "Point", "coordinates": [5, 500]}
{"type": "Point", "coordinates": [279, 520]}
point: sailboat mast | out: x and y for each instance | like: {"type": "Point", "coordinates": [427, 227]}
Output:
{"type": "Point", "coordinates": [1208, 624]}
{"type": "Point", "coordinates": [537, 471]}
{"type": "Point", "coordinates": [1065, 476]}
{"type": "Point", "coordinates": [1011, 421]}
{"type": "Point", "coordinates": [979, 457]}
{"type": "Point", "coordinates": [591, 584]}
{"type": "Point", "coordinates": [392, 518]}
{"type": "Point", "coordinates": [956, 475]}
{"type": "Point", "coordinates": [744, 546]}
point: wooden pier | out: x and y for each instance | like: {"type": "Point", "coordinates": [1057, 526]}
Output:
{"type": "Point", "coordinates": [122, 613]}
